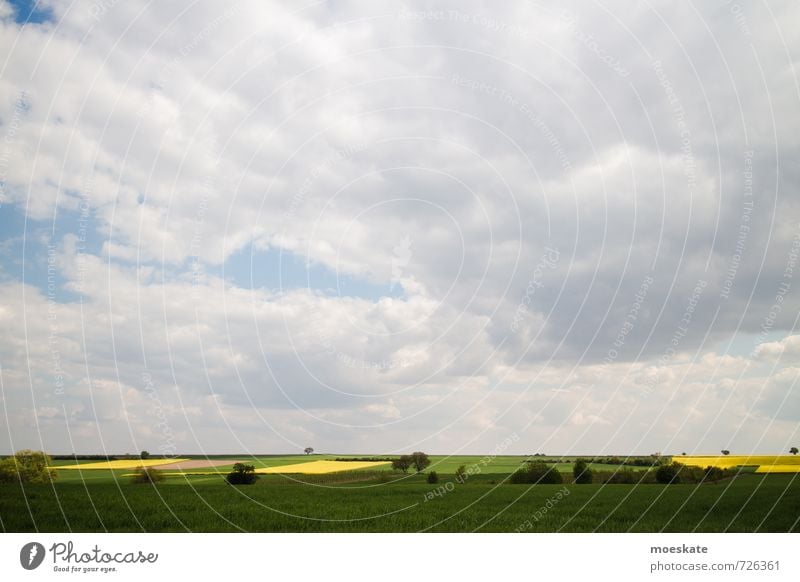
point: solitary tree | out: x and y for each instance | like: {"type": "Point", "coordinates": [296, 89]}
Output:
{"type": "Point", "coordinates": [402, 464]}
{"type": "Point", "coordinates": [793, 450]}
{"type": "Point", "coordinates": [144, 455]}
{"type": "Point", "coordinates": [26, 466]}
{"type": "Point", "coordinates": [242, 474]}
{"type": "Point", "coordinates": [420, 460]}
{"type": "Point", "coordinates": [308, 450]}
{"type": "Point", "coordinates": [725, 452]}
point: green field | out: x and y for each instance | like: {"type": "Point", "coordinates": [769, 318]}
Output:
{"type": "Point", "coordinates": [386, 501]}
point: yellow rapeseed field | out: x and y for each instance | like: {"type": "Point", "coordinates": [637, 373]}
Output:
{"type": "Point", "coordinates": [778, 469]}
{"type": "Point", "coordinates": [765, 463]}
{"type": "Point", "coordinates": [123, 464]}
{"type": "Point", "coordinates": [321, 467]}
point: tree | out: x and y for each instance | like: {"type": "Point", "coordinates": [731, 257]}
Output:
{"type": "Point", "coordinates": [433, 477]}
{"type": "Point", "coordinates": [144, 455]}
{"type": "Point", "coordinates": [793, 450]}
{"type": "Point", "coordinates": [725, 452]}
{"type": "Point", "coordinates": [402, 464]}
{"type": "Point", "coordinates": [242, 475]}
{"type": "Point", "coordinates": [27, 466]}
{"type": "Point", "coordinates": [308, 450]}
{"type": "Point", "coordinates": [461, 474]}
{"type": "Point", "coordinates": [581, 472]}
{"type": "Point", "coordinates": [147, 475]}
{"type": "Point", "coordinates": [420, 460]}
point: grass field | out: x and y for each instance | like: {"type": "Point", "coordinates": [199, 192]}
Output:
{"type": "Point", "coordinates": [376, 499]}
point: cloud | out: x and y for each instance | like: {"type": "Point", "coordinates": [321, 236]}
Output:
{"type": "Point", "coordinates": [415, 167]}
{"type": "Point", "coordinates": [788, 347]}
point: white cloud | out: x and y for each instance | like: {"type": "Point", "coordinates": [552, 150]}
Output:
{"type": "Point", "coordinates": [473, 142]}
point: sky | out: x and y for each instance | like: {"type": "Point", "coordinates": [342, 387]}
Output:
{"type": "Point", "coordinates": [456, 227]}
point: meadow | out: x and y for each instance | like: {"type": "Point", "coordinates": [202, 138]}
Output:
{"type": "Point", "coordinates": [377, 499]}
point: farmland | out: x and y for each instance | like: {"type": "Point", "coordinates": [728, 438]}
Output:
{"type": "Point", "coordinates": [374, 498]}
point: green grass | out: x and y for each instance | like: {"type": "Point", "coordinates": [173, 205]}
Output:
{"type": "Point", "coordinates": [365, 502]}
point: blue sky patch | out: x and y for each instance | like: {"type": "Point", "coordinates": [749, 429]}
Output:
{"type": "Point", "coordinates": [30, 12]}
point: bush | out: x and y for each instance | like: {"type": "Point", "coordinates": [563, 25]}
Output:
{"type": "Point", "coordinates": [461, 473]}
{"type": "Point", "coordinates": [623, 476]}
{"type": "Point", "coordinates": [669, 473]}
{"type": "Point", "coordinates": [714, 473]}
{"type": "Point", "coordinates": [147, 475]}
{"type": "Point", "coordinates": [242, 475]}
{"type": "Point", "coordinates": [537, 472]}
{"type": "Point", "coordinates": [26, 466]}
{"type": "Point", "coordinates": [433, 477]}
{"type": "Point", "coordinates": [581, 472]}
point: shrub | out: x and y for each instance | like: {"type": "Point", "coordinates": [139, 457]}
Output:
{"type": "Point", "coordinates": [147, 475]}
{"type": "Point", "coordinates": [581, 472]}
{"type": "Point", "coordinates": [714, 474]}
{"type": "Point", "coordinates": [144, 455]}
{"type": "Point", "coordinates": [537, 472]}
{"type": "Point", "coordinates": [242, 475]}
{"type": "Point", "coordinates": [26, 466]}
{"type": "Point", "coordinates": [623, 476]}
{"type": "Point", "coordinates": [461, 473]}
{"type": "Point", "coordinates": [433, 477]}
{"type": "Point", "coordinates": [669, 473]}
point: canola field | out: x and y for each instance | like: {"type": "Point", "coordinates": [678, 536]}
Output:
{"type": "Point", "coordinates": [763, 463]}
{"type": "Point", "coordinates": [120, 464]}
{"type": "Point", "coordinates": [321, 467]}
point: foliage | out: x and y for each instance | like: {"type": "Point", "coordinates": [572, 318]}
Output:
{"type": "Point", "coordinates": [308, 450]}
{"type": "Point", "coordinates": [793, 450]}
{"type": "Point", "coordinates": [144, 455]}
{"type": "Point", "coordinates": [680, 473]}
{"type": "Point", "coordinates": [402, 464]}
{"type": "Point", "coordinates": [725, 452]}
{"type": "Point", "coordinates": [433, 477]}
{"type": "Point", "coordinates": [147, 475]}
{"type": "Point", "coordinates": [622, 477]}
{"type": "Point", "coordinates": [420, 460]}
{"type": "Point", "coordinates": [242, 475]}
{"type": "Point", "coordinates": [581, 472]}
{"type": "Point", "coordinates": [26, 466]}
{"type": "Point", "coordinates": [537, 472]}
{"type": "Point", "coordinates": [461, 473]}
{"type": "Point", "coordinates": [669, 473]}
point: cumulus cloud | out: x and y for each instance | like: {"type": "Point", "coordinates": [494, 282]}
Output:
{"type": "Point", "coordinates": [457, 223]}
